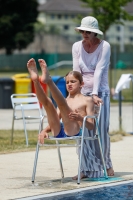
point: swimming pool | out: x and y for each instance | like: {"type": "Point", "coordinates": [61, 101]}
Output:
{"type": "Point", "coordinates": [114, 191]}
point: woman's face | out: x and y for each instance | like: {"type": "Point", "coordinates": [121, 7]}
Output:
{"type": "Point", "coordinates": [87, 35]}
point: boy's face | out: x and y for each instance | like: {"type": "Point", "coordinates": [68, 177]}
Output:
{"type": "Point", "coordinates": [72, 84]}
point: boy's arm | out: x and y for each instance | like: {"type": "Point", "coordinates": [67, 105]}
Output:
{"type": "Point", "coordinates": [44, 134]}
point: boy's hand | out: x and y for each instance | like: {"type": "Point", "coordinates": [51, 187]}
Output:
{"type": "Point", "coordinates": [41, 136]}
{"type": "Point", "coordinates": [75, 115]}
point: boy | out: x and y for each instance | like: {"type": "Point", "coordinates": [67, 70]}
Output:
{"type": "Point", "coordinates": [71, 110]}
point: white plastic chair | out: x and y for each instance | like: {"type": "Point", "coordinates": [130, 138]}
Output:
{"type": "Point", "coordinates": [22, 105]}
{"type": "Point", "coordinates": [77, 144]}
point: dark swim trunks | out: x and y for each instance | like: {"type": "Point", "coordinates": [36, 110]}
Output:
{"type": "Point", "coordinates": [62, 133]}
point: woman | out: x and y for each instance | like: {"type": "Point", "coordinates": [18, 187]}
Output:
{"type": "Point", "coordinates": [91, 57]}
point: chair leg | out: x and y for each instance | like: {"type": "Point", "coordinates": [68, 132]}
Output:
{"type": "Point", "coordinates": [104, 166]}
{"type": "Point", "coordinates": [12, 128]}
{"type": "Point", "coordinates": [35, 163]}
{"type": "Point", "coordinates": [37, 151]}
{"type": "Point", "coordinates": [24, 124]}
{"type": "Point", "coordinates": [60, 160]}
{"type": "Point", "coordinates": [101, 151]}
{"type": "Point", "coordinates": [81, 150]}
{"type": "Point", "coordinates": [25, 132]}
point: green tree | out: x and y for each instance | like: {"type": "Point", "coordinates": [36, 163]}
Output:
{"type": "Point", "coordinates": [108, 12]}
{"type": "Point", "coordinates": [17, 20]}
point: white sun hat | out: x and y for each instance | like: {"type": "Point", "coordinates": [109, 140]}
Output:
{"type": "Point", "coordinates": [89, 24]}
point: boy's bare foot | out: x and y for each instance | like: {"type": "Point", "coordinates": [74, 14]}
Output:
{"type": "Point", "coordinates": [31, 65]}
{"type": "Point", "coordinates": [110, 172]}
{"type": "Point", "coordinates": [81, 176]}
{"type": "Point", "coordinates": [45, 74]}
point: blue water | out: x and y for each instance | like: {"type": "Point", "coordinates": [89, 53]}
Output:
{"type": "Point", "coordinates": [117, 192]}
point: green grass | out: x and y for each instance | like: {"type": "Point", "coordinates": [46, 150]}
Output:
{"type": "Point", "coordinates": [19, 144]}
{"type": "Point", "coordinates": [117, 135]}
{"type": "Point", "coordinates": [19, 141]}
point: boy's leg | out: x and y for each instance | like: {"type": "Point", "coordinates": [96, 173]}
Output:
{"type": "Point", "coordinates": [53, 118]}
{"type": "Point", "coordinates": [71, 127]}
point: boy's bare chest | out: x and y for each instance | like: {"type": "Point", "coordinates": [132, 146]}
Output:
{"type": "Point", "coordinates": [77, 105]}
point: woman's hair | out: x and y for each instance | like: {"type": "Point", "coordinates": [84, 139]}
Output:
{"type": "Point", "coordinates": [76, 75]}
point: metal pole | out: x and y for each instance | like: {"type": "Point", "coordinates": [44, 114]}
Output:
{"type": "Point", "coordinates": [114, 68]}
{"type": "Point", "coordinates": [120, 111]}
{"type": "Point", "coordinates": [122, 45]}
{"type": "Point", "coordinates": [81, 149]}
{"type": "Point", "coordinates": [132, 107]}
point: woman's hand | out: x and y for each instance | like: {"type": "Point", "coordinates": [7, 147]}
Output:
{"type": "Point", "coordinates": [41, 136]}
{"type": "Point", "coordinates": [97, 100]}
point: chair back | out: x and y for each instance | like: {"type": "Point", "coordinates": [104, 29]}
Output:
{"type": "Point", "coordinates": [29, 101]}
{"type": "Point", "coordinates": [99, 113]}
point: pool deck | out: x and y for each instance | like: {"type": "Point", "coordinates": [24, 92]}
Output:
{"type": "Point", "coordinates": [16, 170]}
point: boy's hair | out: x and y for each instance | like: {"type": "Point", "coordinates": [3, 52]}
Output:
{"type": "Point", "coordinates": [76, 75]}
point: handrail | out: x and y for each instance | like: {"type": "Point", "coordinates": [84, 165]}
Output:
{"type": "Point", "coordinates": [59, 64]}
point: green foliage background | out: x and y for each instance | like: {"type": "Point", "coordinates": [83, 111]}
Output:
{"type": "Point", "coordinates": [108, 12]}
{"type": "Point", "coordinates": [17, 20]}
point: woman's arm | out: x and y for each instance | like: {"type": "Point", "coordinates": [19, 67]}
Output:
{"type": "Point", "coordinates": [102, 64]}
{"type": "Point", "coordinates": [75, 56]}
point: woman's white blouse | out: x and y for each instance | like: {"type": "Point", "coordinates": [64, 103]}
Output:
{"type": "Point", "coordinates": [93, 66]}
